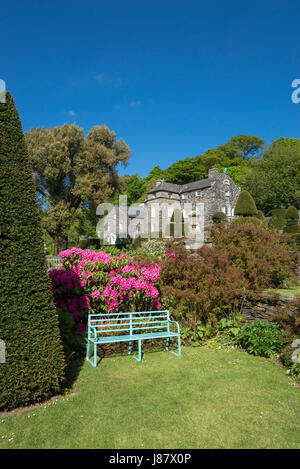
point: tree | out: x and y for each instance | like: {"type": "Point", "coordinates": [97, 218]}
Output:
{"type": "Point", "coordinates": [243, 146]}
{"type": "Point", "coordinates": [135, 188]}
{"type": "Point", "coordinates": [184, 171]}
{"type": "Point", "coordinates": [273, 181]}
{"type": "Point", "coordinates": [245, 205]}
{"type": "Point", "coordinates": [34, 366]}
{"type": "Point", "coordinates": [73, 171]}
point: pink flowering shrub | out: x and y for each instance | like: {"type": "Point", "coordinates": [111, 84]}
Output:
{"type": "Point", "coordinates": [95, 282]}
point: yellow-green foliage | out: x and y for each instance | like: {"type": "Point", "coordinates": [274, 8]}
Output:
{"type": "Point", "coordinates": [34, 366]}
{"type": "Point", "coordinates": [245, 205]}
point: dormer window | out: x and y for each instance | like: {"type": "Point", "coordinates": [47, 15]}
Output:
{"type": "Point", "coordinates": [198, 193]}
{"type": "Point", "coordinates": [183, 196]}
{"type": "Point", "coordinates": [226, 182]}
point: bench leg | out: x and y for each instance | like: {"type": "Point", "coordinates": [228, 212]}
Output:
{"type": "Point", "coordinates": [94, 363]}
{"type": "Point", "coordinates": [179, 348]}
{"type": "Point", "coordinates": [168, 343]}
{"type": "Point", "coordinates": [139, 358]}
{"type": "Point", "coordinates": [129, 348]}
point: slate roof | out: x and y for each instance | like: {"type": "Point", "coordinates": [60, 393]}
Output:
{"type": "Point", "coordinates": [176, 188]}
{"type": "Point", "coordinates": [167, 187]}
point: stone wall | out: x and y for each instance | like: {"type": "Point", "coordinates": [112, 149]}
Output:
{"type": "Point", "coordinates": [285, 310]}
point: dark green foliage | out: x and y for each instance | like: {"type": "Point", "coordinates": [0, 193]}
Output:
{"type": "Point", "coordinates": [292, 217]}
{"type": "Point", "coordinates": [245, 206]}
{"type": "Point", "coordinates": [274, 179]}
{"type": "Point", "coordinates": [297, 197]}
{"type": "Point", "coordinates": [90, 243]}
{"type": "Point", "coordinates": [123, 242]}
{"type": "Point", "coordinates": [34, 367]}
{"type": "Point", "coordinates": [278, 218]}
{"type": "Point", "coordinates": [176, 228]}
{"type": "Point", "coordinates": [219, 217]}
{"type": "Point", "coordinates": [261, 338]}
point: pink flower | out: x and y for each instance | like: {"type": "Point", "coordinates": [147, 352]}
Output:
{"type": "Point", "coordinates": [96, 293]}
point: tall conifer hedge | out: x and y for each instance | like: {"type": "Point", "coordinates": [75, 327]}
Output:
{"type": "Point", "coordinates": [34, 365]}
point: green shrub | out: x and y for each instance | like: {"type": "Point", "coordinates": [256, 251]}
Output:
{"type": "Point", "coordinates": [228, 330]}
{"type": "Point", "coordinates": [292, 241]}
{"type": "Point", "coordinates": [245, 221]}
{"type": "Point", "coordinates": [261, 338]}
{"type": "Point", "coordinates": [260, 215]}
{"type": "Point", "coordinates": [245, 205]}
{"type": "Point", "coordinates": [67, 327]}
{"type": "Point", "coordinates": [34, 367]}
{"type": "Point", "coordinates": [219, 217]}
{"type": "Point", "coordinates": [278, 218]}
{"type": "Point", "coordinates": [154, 247]}
{"type": "Point", "coordinates": [124, 242]}
{"type": "Point", "coordinates": [292, 218]}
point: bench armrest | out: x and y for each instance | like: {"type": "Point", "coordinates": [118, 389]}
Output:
{"type": "Point", "coordinates": [95, 331]}
{"type": "Point", "coordinates": [177, 324]}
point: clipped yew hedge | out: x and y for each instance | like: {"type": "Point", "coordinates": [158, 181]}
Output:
{"type": "Point", "coordinates": [34, 366]}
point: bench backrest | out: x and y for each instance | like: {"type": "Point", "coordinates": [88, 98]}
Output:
{"type": "Point", "coordinates": [129, 323]}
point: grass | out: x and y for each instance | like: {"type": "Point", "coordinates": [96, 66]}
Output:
{"type": "Point", "coordinates": [208, 398]}
{"type": "Point", "coordinates": [293, 291]}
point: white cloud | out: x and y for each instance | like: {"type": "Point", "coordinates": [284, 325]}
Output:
{"type": "Point", "coordinates": [135, 103]}
{"type": "Point", "coordinates": [71, 113]}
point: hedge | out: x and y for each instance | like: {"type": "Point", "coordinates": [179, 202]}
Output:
{"type": "Point", "coordinates": [34, 365]}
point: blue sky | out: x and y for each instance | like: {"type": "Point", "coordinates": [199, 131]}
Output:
{"type": "Point", "coordinates": [172, 78]}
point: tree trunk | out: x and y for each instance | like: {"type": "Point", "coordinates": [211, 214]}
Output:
{"type": "Point", "coordinates": [61, 243]}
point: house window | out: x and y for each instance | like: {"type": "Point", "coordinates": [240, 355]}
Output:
{"type": "Point", "coordinates": [226, 182]}
{"type": "Point", "coordinates": [227, 193]}
{"type": "Point", "coordinates": [198, 193]}
{"type": "Point", "coordinates": [152, 211]}
{"type": "Point", "coordinates": [169, 195]}
{"type": "Point", "coordinates": [170, 211]}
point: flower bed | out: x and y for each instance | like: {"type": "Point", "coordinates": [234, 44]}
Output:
{"type": "Point", "coordinates": [98, 283]}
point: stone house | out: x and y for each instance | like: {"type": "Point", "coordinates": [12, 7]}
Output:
{"type": "Point", "coordinates": [217, 193]}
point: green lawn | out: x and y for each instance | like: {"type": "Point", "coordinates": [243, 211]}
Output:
{"type": "Point", "coordinates": [208, 398]}
{"type": "Point", "coordinates": [293, 291]}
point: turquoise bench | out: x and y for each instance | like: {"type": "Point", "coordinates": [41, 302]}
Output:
{"type": "Point", "coordinates": [128, 327]}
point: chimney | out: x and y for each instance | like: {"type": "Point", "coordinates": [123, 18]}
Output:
{"type": "Point", "coordinates": [158, 182]}
{"type": "Point", "coordinates": [213, 173]}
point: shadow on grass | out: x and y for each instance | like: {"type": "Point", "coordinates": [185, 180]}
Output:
{"type": "Point", "coordinates": [75, 361]}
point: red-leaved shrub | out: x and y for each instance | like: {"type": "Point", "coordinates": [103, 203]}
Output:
{"type": "Point", "coordinates": [256, 251]}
